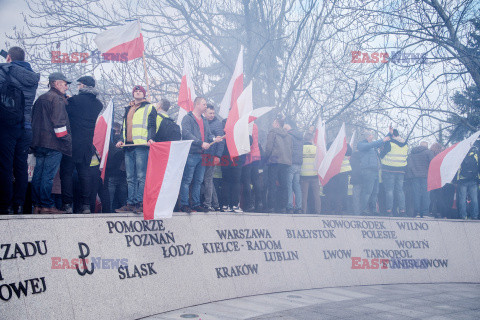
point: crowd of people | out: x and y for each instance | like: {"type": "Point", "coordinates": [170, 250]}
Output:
{"type": "Point", "coordinates": [378, 177]}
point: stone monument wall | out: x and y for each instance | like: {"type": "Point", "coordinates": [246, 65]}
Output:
{"type": "Point", "coordinates": [115, 266]}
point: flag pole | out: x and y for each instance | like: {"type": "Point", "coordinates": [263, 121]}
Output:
{"type": "Point", "coordinates": [146, 76]}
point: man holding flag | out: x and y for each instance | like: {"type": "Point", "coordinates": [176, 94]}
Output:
{"type": "Point", "coordinates": [140, 124]}
{"type": "Point", "coordinates": [83, 110]}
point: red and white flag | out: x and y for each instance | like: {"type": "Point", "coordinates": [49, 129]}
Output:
{"type": "Point", "coordinates": [101, 136]}
{"type": "Point", "coordinates": [234, 89]}
{"type": "Point", "coordinates": [186, 94]}
{"type": "Point", "coordinates": [319, 142]}
{"type": "Point", "coordinates": [166, 162]}
{"type": "Point", "coordinates": [236, 128]}
{"type": "Point", "coordinates": [352, 139]}
{"type": "Point", "coordinates": [332, 162]}
{"type": "Point", "coordinates": [445, 165]}
{"type": "Point", "coordinates": [126, 39]}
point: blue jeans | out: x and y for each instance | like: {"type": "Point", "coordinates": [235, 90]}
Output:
{"type": "Point", "coordinates": [293, 186]}
{"type": "Point", "coordinates": [421, 197]}
{"type": "Point", "coordinates": [393, 184]}
{"type": "Point", "coordinates": [472, 188]}
{"type": "Point", "coordinates": [136, 159]}
{"type": "Point", "coordinates": [369, 188]}
{"type": "Point", "coordinates": [46, 167]}
{"type": "Point", "coordinates": [193, 171]}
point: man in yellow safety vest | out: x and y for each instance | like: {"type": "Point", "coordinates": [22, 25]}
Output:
{"type": "Point", "coordinates": [139, 127]}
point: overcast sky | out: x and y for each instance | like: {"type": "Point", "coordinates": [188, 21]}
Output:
{"type": "Point", "coordinates": [10, 16]}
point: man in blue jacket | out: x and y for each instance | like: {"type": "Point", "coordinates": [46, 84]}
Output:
{"type": "Point", "coordinates": [15, 139]}
{"type": "Point", "coordinates": [195, 127]}
{"type": "Point", "coordinates": [369, 166]}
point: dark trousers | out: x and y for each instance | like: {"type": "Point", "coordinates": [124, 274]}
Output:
{"type": "Point", "coordinates": [277, 195]}
{"type": "Point", "coordinates": [312, 183]}
{"type": "Point", "coordinates": [14, 145]}
{"type": "Point", "coordinates": [66, 176]}
{"type": "Point", "coordinates": [251, 178]}
{"type": "Point", "coordinates": [231, 185]}
{"type": "Point", "coordinates": [336, 191]}
{"type": "Point", "coordinates": [46, 167]}
{"type": "Point", "coordinates": [117, 189]}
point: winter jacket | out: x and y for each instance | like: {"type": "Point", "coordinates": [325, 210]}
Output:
{"type": "Point", "coordinates": [50, 125]}
{"type": "Point", "coordinates": [216, 129]}
{"type": "Point", "coordinates": [394, 161]}
{"type": "Point", "coordinates": [152, 121]}
{"type": "Point", "coordinates": [83, 110]}
{"type": "Point", "coordinates": [279, 147]}
{"type": "Point", "coordinates": [418, 162]}
{"type": "Point", "coordinates": [116, 159]}
{"type": "Point", "coordinates": [191, 131]}
{"type": "Point", "coordinates": [369, 154]}
{"type": "Point", "coordinates": [297, 146]}
{"type": "Point", "coordinates": [356, 174]}
{"type": "Point", "coordinates": [23, 76]}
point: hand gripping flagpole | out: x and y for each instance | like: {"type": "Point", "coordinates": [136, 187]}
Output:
{"type": "Point", "coordinates": [146, 76]}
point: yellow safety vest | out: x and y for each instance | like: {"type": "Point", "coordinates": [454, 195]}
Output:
{"type": "Point", "coordinates": [396, 157]}
{"type": "Point", "coordinates": [140, 124]}
{"type": "Point", "coordinates": [95, 161]}
{"type": "Point", "coordinates": [345, 165]}
{"type": "Point", "coordinates": [308, 165]}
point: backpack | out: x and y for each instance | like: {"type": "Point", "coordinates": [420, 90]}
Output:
{"type": "Point", "coordinates": [469, 168]}
{"type": "Point", "coordinates": [168, 131]}
{"type": "Point", "coordinates": [12, 102]}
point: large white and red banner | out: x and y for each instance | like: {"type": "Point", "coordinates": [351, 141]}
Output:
{"type": "Point", "coordinates": [126, 39]}
{"type": "Point", "coordinates": [332, 162]}
{"type": "Point", "coordinates": [166, 162]}
{"type": "Point", "coordinates": [101, 136]}
{"type": "Point", "coordinates": [236, 128]}
{"type": "Point", "coordinates": [445, 165]}
{"type": "Point", "coordinates": [234, 89]}
{"type": "Point", "coordinates": [319, 142]}
{"type": "Point", "coordinates": [186, 94]}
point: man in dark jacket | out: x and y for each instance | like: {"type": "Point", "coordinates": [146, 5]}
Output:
{"type": "Point", "coordinates": [195, 127]}
{"type": "Point", "coordinates": [417, 169]}
{"type": "Point", "coordinates": [369, 166]}
{"type": "Point", "coordinates": [467, 183]}
{"type": "Point", "coordinates": [115, 175]}
{"type": "Point", "coordinates": [15, 139]}
{"type": "Point", "coordinates": [83, 110]}
{"type": "Point", "coordinates": [51, 138]}
{"type": "Point", "coordinates": [293, 178]}
{"type": "Point", "coordinates": [210, 158]}
{"type": "Point", "coordinates": [278, 152]}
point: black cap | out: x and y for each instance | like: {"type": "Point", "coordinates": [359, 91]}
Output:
{"type": "Point", "coordinates": [87, 80]}
{"type": "Point", "coordinates": [58, 76]}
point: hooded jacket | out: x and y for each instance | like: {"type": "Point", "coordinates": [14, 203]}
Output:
{"type": "Point", "coordinates": [50, 125]}
{"type": "Point", "coordinates": [27, 80]}
{"type": "Point", "coordinates": [279, 147]}
{"type": "Point", "coordinates": [83, 110]}
{"type": "Point", "coordinates": [418, 162]}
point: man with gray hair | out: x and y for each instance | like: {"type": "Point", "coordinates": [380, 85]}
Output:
{"type": "Point", "coordinates": [369, 166]}
{"type": "Point", "coordinates": [51, 138]}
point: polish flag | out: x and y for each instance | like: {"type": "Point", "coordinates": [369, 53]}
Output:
{"type": "Point", "coordinates": [352, 139]}
{"type": "Point", "coordinates": [234, 89]}
{"type": "Point", "coordinates": [445, 165]}
{"type": "Point", "coordinates": [319, 142]}
{"type": "Point", "coordinates": [101, 136]}
{"type": "Point", "coordinates": [123, 39]}
{"type": "Point", "coordinates": [236, 128]}
{"type": "Point", "coordinates": [332, 161]}
{"type": "Point", "coordinates": [166, 162]}
{"type": "Point", "coordinates": [186, 94]}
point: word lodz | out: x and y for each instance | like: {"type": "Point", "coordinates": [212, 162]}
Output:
{"type": "Point", "coordinates": [82, 57]}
